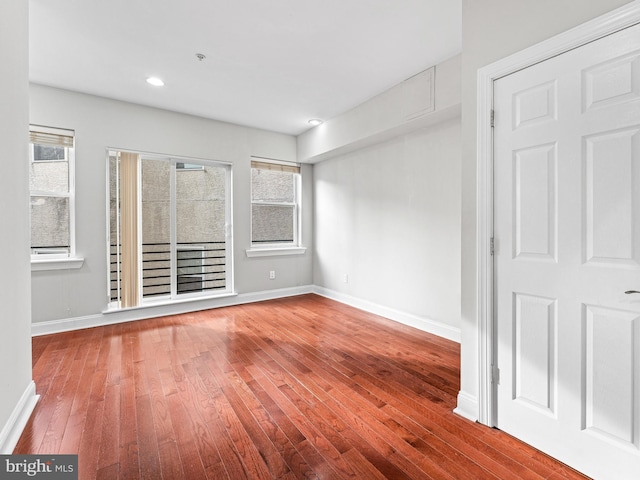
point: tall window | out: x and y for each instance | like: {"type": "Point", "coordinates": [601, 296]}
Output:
{"type": "Point", "coordinates": [169, 229]}
{"type": "Point", "coordinates": [51, 184]}
{"type": "Point", "coordinates": [275, 203]}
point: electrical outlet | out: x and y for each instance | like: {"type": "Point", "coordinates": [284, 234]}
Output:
{"type": "Point", "coordinates": [272, 275]}
{"type": "Point", "coordinates": [345, 278]}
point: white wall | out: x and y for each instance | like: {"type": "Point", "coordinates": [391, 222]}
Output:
{"type": "Point", "coordinates": [100, 123]}
{"type": "Point", "coordinates": [15, 304]}
{"type": "Point", "coordinates": [388, 217]}
{"type": "Point", "coordinates": [491, 30]}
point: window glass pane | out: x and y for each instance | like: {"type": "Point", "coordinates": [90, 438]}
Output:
{"type": "Point", "coordinates": [156, 228]}
{"type": "Point", "coordinates": [50, 175]}
{"type": "Point", "coordinates": [201, 228]}
{"type": "Point", "coordinates": [50, 225]}
{"type": "Point", "coordinates": [48, 153]}
{"type": "Point", "coordinates": [272, 186]}
{"type": "Point", "coordinates": [272, 223]}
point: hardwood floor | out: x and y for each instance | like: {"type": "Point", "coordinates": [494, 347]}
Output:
{"type": "Point", "coordinates": [302, 387]}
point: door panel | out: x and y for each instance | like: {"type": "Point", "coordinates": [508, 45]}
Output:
{"type": "Point", "coordinates": [567, 234]}
{"type": "Point", "coordinates": [612, 196]}
{"type": "Point", "coordinates": [535, 105]}
{"type": "Point", "coordinates": [611, 82]}
{"type": "Point", "coordinates": [535, 213]}
{"type": "Point", "coordinates": [611, 408]}
{"type": "Point", "coordinates": [535, 352]}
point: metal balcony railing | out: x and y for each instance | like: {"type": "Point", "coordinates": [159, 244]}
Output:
{"type": "Point", "coordinates": [200, 267]}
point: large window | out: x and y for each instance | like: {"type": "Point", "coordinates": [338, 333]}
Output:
{"type": "Point", "coordinates": [169, 229]}
{"type": "Point", "coordinates": [51, 185]}
{"type": "Point", "coordinates": [275, 203]}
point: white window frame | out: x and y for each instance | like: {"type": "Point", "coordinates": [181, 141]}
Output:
{"type": "Point", "coordinates": [280, 248]}
{"type": "Point", "coordinates": [62, 260]}
{"type": "Point", "coordinates": [173, 297]}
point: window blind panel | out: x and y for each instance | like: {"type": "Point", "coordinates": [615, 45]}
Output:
{"type": "Point", "coordinates": [51, 136]}
{"type": "Point", "coordinates": [277, 167]}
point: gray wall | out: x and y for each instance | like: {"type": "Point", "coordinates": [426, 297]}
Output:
{"type": "Point", "coordinates": [15, 306]}
{"type": "Point", "coordinates": [100, 123]}
{"type": "Point", "coordinates": [491, 30]}
{"type": "Point", "coordinates": [388, 216]}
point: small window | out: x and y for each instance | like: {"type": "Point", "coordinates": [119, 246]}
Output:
{"type": "Point", "coordinates": [275, 203]}
{"type": "Point", "coordinates": [51, 185]}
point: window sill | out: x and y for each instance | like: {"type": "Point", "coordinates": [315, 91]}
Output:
{"type": "Point", "coordinates": [273, 251]}
{"type": "Point", "coordinates": [44, 264]}
{"type": "Point", "coordinates": [111, 308]}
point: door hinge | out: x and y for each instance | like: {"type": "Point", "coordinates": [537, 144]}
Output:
{"type": "Point", "coordinates": [493, 118]}
{"type": "Point", "coordinates": [492, 246]}
{"type": "Point", "coordinates": [495, 374]}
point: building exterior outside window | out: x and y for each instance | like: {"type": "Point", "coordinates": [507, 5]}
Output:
{"type": "Point", "coordinates": [275, 203]}
{"type": "Point", "coordinates": [51, 184]}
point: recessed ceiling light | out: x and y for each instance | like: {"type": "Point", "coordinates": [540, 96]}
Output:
{"type": "Point", "coordinates": [315, 121]}
{"type": "Point", "coordinates": [155, 81]}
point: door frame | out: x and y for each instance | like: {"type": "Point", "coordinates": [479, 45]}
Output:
{"type": "Point", "coordinates": [614, 21]}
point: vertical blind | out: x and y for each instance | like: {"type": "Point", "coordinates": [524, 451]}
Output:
{"type": "Point", "coordinates": [129, 228]}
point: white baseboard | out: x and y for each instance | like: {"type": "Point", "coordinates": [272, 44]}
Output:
{"type": "Point", "coordinates": [468, 406]}
{"type": "Point", "coordinates": [12, 430]}
{"type": "Point", "coordinates": [421, 323]}
{"type": "Point", "coordinates": [130, 315]}
{"type": "Point", "coordinates": [67, 324]}
{"type": "Point", "coordinates": [121, 316]}
{"type": "Point", "coordinates": [273, 294]}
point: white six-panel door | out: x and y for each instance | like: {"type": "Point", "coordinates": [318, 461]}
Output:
{"type": "Point", "coordinates": [567, 238]}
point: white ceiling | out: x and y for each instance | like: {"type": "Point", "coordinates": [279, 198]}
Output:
{"type": "Point", "coordinates": [271, 64]}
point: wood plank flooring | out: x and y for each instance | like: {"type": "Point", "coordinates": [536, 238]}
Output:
{"type": "Point", "coordinates": [302, 387]}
